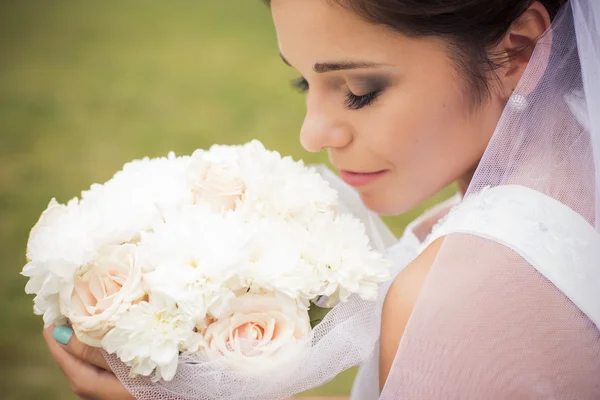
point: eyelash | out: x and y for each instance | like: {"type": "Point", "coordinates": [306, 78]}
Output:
{"type": "Point", "coordinates": [353, 102]}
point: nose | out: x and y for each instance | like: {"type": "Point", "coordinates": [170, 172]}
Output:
{"type": "Point", "coordinates": [323, 130]}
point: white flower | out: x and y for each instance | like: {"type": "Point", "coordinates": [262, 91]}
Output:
{"type": "Point", "coordinates": [195, 291]}
{"type": "Point", "coordinates": [136, 199]}
{"type": "Point", "coordinates": [60, 238]}
{"type": "Point", "coordinates": [275, 261]}
{"type": "Point", "coordinates": [49, 218]}
{"type": "Point", "coordinates": [101, 291]}
{"type": "Point", "coordinates": [193, 259]}
{"type": "Point", "coordinates": [69, 237]}
{"type": "Point", "coordinates": [339, 247]}
{"type": "Point", "coordinates": [281, 188]}
{"type": "Point", "coordinates": [215, 181]}
{"type": "Point", "coordinates": [262, 332]}
{"type": "Point", "coordinates": [55, 250]}
{"type": "Point", "coordinates": [150, 337]}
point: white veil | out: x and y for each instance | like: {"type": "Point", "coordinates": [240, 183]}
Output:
{"type": "Point", "coordinates": [487, 323]}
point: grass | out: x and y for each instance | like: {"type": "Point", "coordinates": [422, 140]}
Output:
{"type": "Point", "coordinates": [86, 86]}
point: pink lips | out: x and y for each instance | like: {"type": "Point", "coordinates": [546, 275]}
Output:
{"type": "Point", "coordinates": [358, 179]}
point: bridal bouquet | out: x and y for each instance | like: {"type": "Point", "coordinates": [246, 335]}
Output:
{"type": "Point", "coordinates": [201, 273]}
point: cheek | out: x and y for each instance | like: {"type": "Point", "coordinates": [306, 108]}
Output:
{"type": "Point", "coordinates": [425, 132]}
{"type": "Point", "coordinates": [429, 144]}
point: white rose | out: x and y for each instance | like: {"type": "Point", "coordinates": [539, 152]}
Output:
{"type": "Point", "coordinates": [262, 332]}
{"type": "Point", "coordinates": [217, 184]}
{"type": "Point", "coordinates": [107, 288]}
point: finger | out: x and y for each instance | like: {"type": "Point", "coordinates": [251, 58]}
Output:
{"type": "Point", "coordinates": [91, 355]}
{"type": "Point", "coordinates": [56, 350]}
{"type": "Point", "coordinates": [86, 380]}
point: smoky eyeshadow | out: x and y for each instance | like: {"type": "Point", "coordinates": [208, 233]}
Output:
{"type": "Point", "coordinates": [368, 84]}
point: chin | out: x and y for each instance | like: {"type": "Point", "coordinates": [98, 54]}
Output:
{"type": "Point", "coordinates": [385, 205]}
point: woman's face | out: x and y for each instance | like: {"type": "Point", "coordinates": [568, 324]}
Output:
{"type": "Point", "coordinates": [393, 112]}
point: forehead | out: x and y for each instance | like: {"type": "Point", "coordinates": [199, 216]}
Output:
{"type": "Point", "coordinates": [322, 30]}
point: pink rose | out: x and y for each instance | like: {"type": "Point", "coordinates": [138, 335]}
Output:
{"type": "Point", "coordinates": [107, 288]}
{"type": "Point", "coordinates": [215, 183]}
{"type": "Point", "coordinates": [262, 331]}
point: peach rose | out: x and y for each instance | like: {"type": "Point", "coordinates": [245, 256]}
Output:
{"type": "Point", "coordinates": [217, 184]}
{"type": "Point", "coordinates": [262, 331]}
{"type": "Point", "coordinates": [107, 287]}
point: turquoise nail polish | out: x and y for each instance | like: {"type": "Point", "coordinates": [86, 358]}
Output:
{"type": "Point", "coordinates": [62, 334]}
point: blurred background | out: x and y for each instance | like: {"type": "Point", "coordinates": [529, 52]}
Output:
{"type": "Point", "coordinates": [87, 86]}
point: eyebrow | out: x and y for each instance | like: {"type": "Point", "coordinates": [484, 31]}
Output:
{"type": "Point", "coordinates": [336, 66]}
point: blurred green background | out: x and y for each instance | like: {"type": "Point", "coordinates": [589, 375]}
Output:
{"type": "Point", "coordinates": [87, 86]}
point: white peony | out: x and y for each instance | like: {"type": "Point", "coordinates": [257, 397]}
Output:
{"type": "Point", "coordinates": [101, 292]}
{"type": "Point", "coordinates": [150, 336]}
{"type": "Point", "coordinates": [263, 331]}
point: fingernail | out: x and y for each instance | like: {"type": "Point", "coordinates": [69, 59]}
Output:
{"type": "Point", "coordinates": [62, 334]}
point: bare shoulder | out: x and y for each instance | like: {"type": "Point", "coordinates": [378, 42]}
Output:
{"type": "Point", "coordinates": [398, 306]}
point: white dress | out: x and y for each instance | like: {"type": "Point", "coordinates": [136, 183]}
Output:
{"type": "Point", "coordinates": [559, 243]}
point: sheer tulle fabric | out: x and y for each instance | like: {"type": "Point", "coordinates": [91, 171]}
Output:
{"type": "Point", "coordinates": [487, 324]}
{"type": "Point", "coordinates": [494, 329]}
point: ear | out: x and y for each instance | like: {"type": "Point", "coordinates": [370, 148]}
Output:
{"type": "Point", "coordinates": [518, 45]}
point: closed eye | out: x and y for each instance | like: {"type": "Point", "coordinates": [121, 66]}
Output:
{"type": "Point", "coordinates": [355, 102]}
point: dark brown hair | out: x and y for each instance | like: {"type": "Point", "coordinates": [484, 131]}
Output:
{"type": "Point", "coordinates": [470, 27]}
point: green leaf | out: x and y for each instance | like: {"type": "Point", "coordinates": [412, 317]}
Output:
{"type": "Point", "coordinates": [316, 314]}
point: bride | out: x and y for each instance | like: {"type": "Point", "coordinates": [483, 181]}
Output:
{"type": "Point", "coordinates": [496, 292]}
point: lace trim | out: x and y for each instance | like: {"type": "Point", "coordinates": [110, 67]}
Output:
{"type": "Point", "coordinates": [553, 238]}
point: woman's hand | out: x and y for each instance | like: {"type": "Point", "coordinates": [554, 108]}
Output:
{"type": "Point", "coordinates": [87, 371]}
